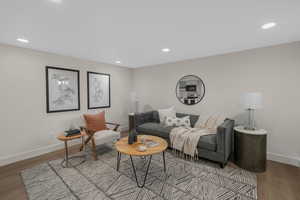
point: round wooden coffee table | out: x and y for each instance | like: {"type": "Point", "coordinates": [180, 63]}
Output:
{"type": "Point", "coordinates": [123, 147]}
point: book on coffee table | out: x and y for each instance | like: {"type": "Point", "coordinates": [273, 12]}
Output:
{"type": "Point", "coordinates": [151, 143]}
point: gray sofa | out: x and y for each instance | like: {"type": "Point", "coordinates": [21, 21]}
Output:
{"type": "Point", "coordinates": [216, 147]}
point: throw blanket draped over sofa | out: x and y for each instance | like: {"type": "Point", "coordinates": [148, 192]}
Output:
{"type": "Point", "coordinates": [185, 140]}
{"type": "Point", "coordinates": [217, 147]}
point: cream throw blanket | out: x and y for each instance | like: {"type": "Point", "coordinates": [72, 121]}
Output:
{"type": "Point", "coordinates": [185, 140]}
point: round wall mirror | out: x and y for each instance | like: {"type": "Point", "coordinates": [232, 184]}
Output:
{"type": "Point", "coordinates": [190, 90]}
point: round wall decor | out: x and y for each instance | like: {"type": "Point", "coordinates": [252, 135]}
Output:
{"type": "Point", "coordinates": [190, 90]}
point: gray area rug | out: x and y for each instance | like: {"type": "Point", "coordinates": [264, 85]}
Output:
{"type": "Point", "coordinates": [184, 180]}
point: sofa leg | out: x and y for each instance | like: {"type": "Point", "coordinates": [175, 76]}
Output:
{"type": "Point", "coordinates": [222, 165]}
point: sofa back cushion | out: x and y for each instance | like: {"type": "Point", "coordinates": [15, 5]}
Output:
{"type": "Point", "coordinates": [193, 118]}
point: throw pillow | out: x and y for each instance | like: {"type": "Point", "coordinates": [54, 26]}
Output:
{"type": "Point", "coordinates": [95, 122]}
{"type": "Point", "coordinates": [211, 123]}
{"type": "Point", "coordinates": [174, 121]}
{"type": "Point", "coordinates": [164, 113]}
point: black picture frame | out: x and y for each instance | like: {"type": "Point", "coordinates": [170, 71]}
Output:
{"type": "Point", "coordinates": [89, 87]}
{"type": "Point", "coordinates": [193, 102]}
{"type": "Point", "coordinates": [47, 89]}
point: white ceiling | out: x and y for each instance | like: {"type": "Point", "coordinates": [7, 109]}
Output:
{"type": "Point", "coordinates": [135, 31]}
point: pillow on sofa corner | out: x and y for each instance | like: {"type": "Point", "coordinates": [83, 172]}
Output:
{"type": "Point", "coordinates": [211, 123]}
{"type": "Point", "coordinates": [164, 113]}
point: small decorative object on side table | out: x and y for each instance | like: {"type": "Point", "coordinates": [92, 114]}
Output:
{"type": "Point", "coordinates": [65, 139]}
{"type": "Point", "coordinates": [250, 149]}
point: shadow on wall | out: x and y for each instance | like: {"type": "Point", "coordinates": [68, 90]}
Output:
{"type": "Point", "coordinates": [240, 119]}
{"type": "Point", "coordinates": [147, 108]}
{"type": "Point", "coordinates": [76, 122]}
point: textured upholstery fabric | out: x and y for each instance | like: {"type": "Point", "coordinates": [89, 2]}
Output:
{"type": "Point", "coordinates": [193, 118]}
{"type": "Point", "coordinates": [208, 142]}
{"type": "Point", "coordinates": [164, 113]}
{"type": "Point", "coordinates": [141, 118]}
{"type": "Point", "coordinates": [176, 121]}
{"type": "Point", "coordinates": [106, 136]}
{"type": "Point", "coordinates": [95, 122]}
{"type": "Point", "coordinates": [217, 147]}
{"type": "Point", "coordinates": [156, 129]}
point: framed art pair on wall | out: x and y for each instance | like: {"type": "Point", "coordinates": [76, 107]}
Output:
{"type": "Point", "coordinates": [63, 90]}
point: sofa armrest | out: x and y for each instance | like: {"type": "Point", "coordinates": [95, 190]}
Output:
{"type": "Point", "coordinates": [225, 138]}
{"type": "Point", "coordinates": [141, 118]}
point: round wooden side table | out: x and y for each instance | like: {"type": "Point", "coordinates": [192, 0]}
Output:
{"type": "Point", "coordinates": [123, 147]}
{"type": "Point", "coordinates": [65, 139]}
{"type": "Point", "coordinates": [250, 149]}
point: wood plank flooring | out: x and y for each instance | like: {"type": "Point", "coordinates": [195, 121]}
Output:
{"type": "Point", "coordinates": [279, 182]}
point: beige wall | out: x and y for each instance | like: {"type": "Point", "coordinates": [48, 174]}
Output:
{"type": "Point", "coordinates": [273, 71]}
{"type": "Point", "coordinates": [26, 128]}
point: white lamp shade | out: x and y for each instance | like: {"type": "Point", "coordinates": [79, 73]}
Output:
{"type": "Point", "coordinates": [252, 100]}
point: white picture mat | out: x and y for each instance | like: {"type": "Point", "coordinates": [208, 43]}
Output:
{"type": "Point", "coordinates": [99, 90]}
{"type": "Point", "coordinates": [63, 90]}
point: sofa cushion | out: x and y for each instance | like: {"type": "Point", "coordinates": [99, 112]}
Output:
{"type": "Point", "coordinates": [155, 129]}
{"type": "Point", "coordinates": [193, 118]}
{"type": "Point", "coordinates": [208, 142]}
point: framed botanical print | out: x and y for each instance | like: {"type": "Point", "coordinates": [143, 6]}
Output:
{"type": "Point", "coordinates": [62, 89]}
{"type": "Point", "coordinates": [98, 90]}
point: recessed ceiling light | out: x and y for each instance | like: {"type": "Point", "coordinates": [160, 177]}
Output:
{"type": "Point", "coordinates": [268, 25]}
{"type": "Point", "coordinates": [56, 1]}
{"type": "Point", "coordinates": [118, 62]}
{"type": "Point", "coordinates": [165, 50]}
{"type": "Point", "coordinates": [23, 40]}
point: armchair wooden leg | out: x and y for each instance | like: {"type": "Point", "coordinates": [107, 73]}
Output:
{"type": "Point", "coordinates": [85, 143]}
{"type": "Point", "coordinates": [94, 148]}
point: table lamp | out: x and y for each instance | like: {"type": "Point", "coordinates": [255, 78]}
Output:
{"type": "Point", "coordinates": [252, 101]}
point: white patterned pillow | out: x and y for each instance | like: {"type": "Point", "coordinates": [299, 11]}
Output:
{"type": "Point", "coordinates": [174, 121]}
{"type": "Point", "coordinates": [164, 113]}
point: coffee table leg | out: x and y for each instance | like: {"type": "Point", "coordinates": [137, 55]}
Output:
{"type": "Point", "coordinates": [164, 161]}
{"type": "Point", "coordinates": [118, 160]}
{"type": "Point", "coordinates": [134, 171]}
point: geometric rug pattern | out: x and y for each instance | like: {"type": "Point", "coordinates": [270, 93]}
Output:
{"type": "Point", "coordinates": [93, 180]}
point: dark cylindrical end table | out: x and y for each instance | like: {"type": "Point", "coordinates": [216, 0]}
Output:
{"type": "Point", "coordinates": [251, 149]}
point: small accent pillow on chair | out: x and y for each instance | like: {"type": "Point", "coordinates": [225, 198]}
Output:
{"type": "Point", "coordinates": [95, 122]}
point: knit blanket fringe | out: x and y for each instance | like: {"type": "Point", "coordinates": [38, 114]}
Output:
{"type": "Point", "coordinates": [184, 141]}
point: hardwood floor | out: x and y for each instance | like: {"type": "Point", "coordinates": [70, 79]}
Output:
{"type": "Point", "coordinates": [279, 182]}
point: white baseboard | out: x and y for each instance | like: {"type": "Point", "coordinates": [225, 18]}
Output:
{"type": "Point", "coordinates": [29, 154]}
{"type": "Point", "coordinates": [36, 152]}
{"type": "Point", "coordinates": [284, 159]}
{"type": "Point", "coordinates": [50, 148]}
